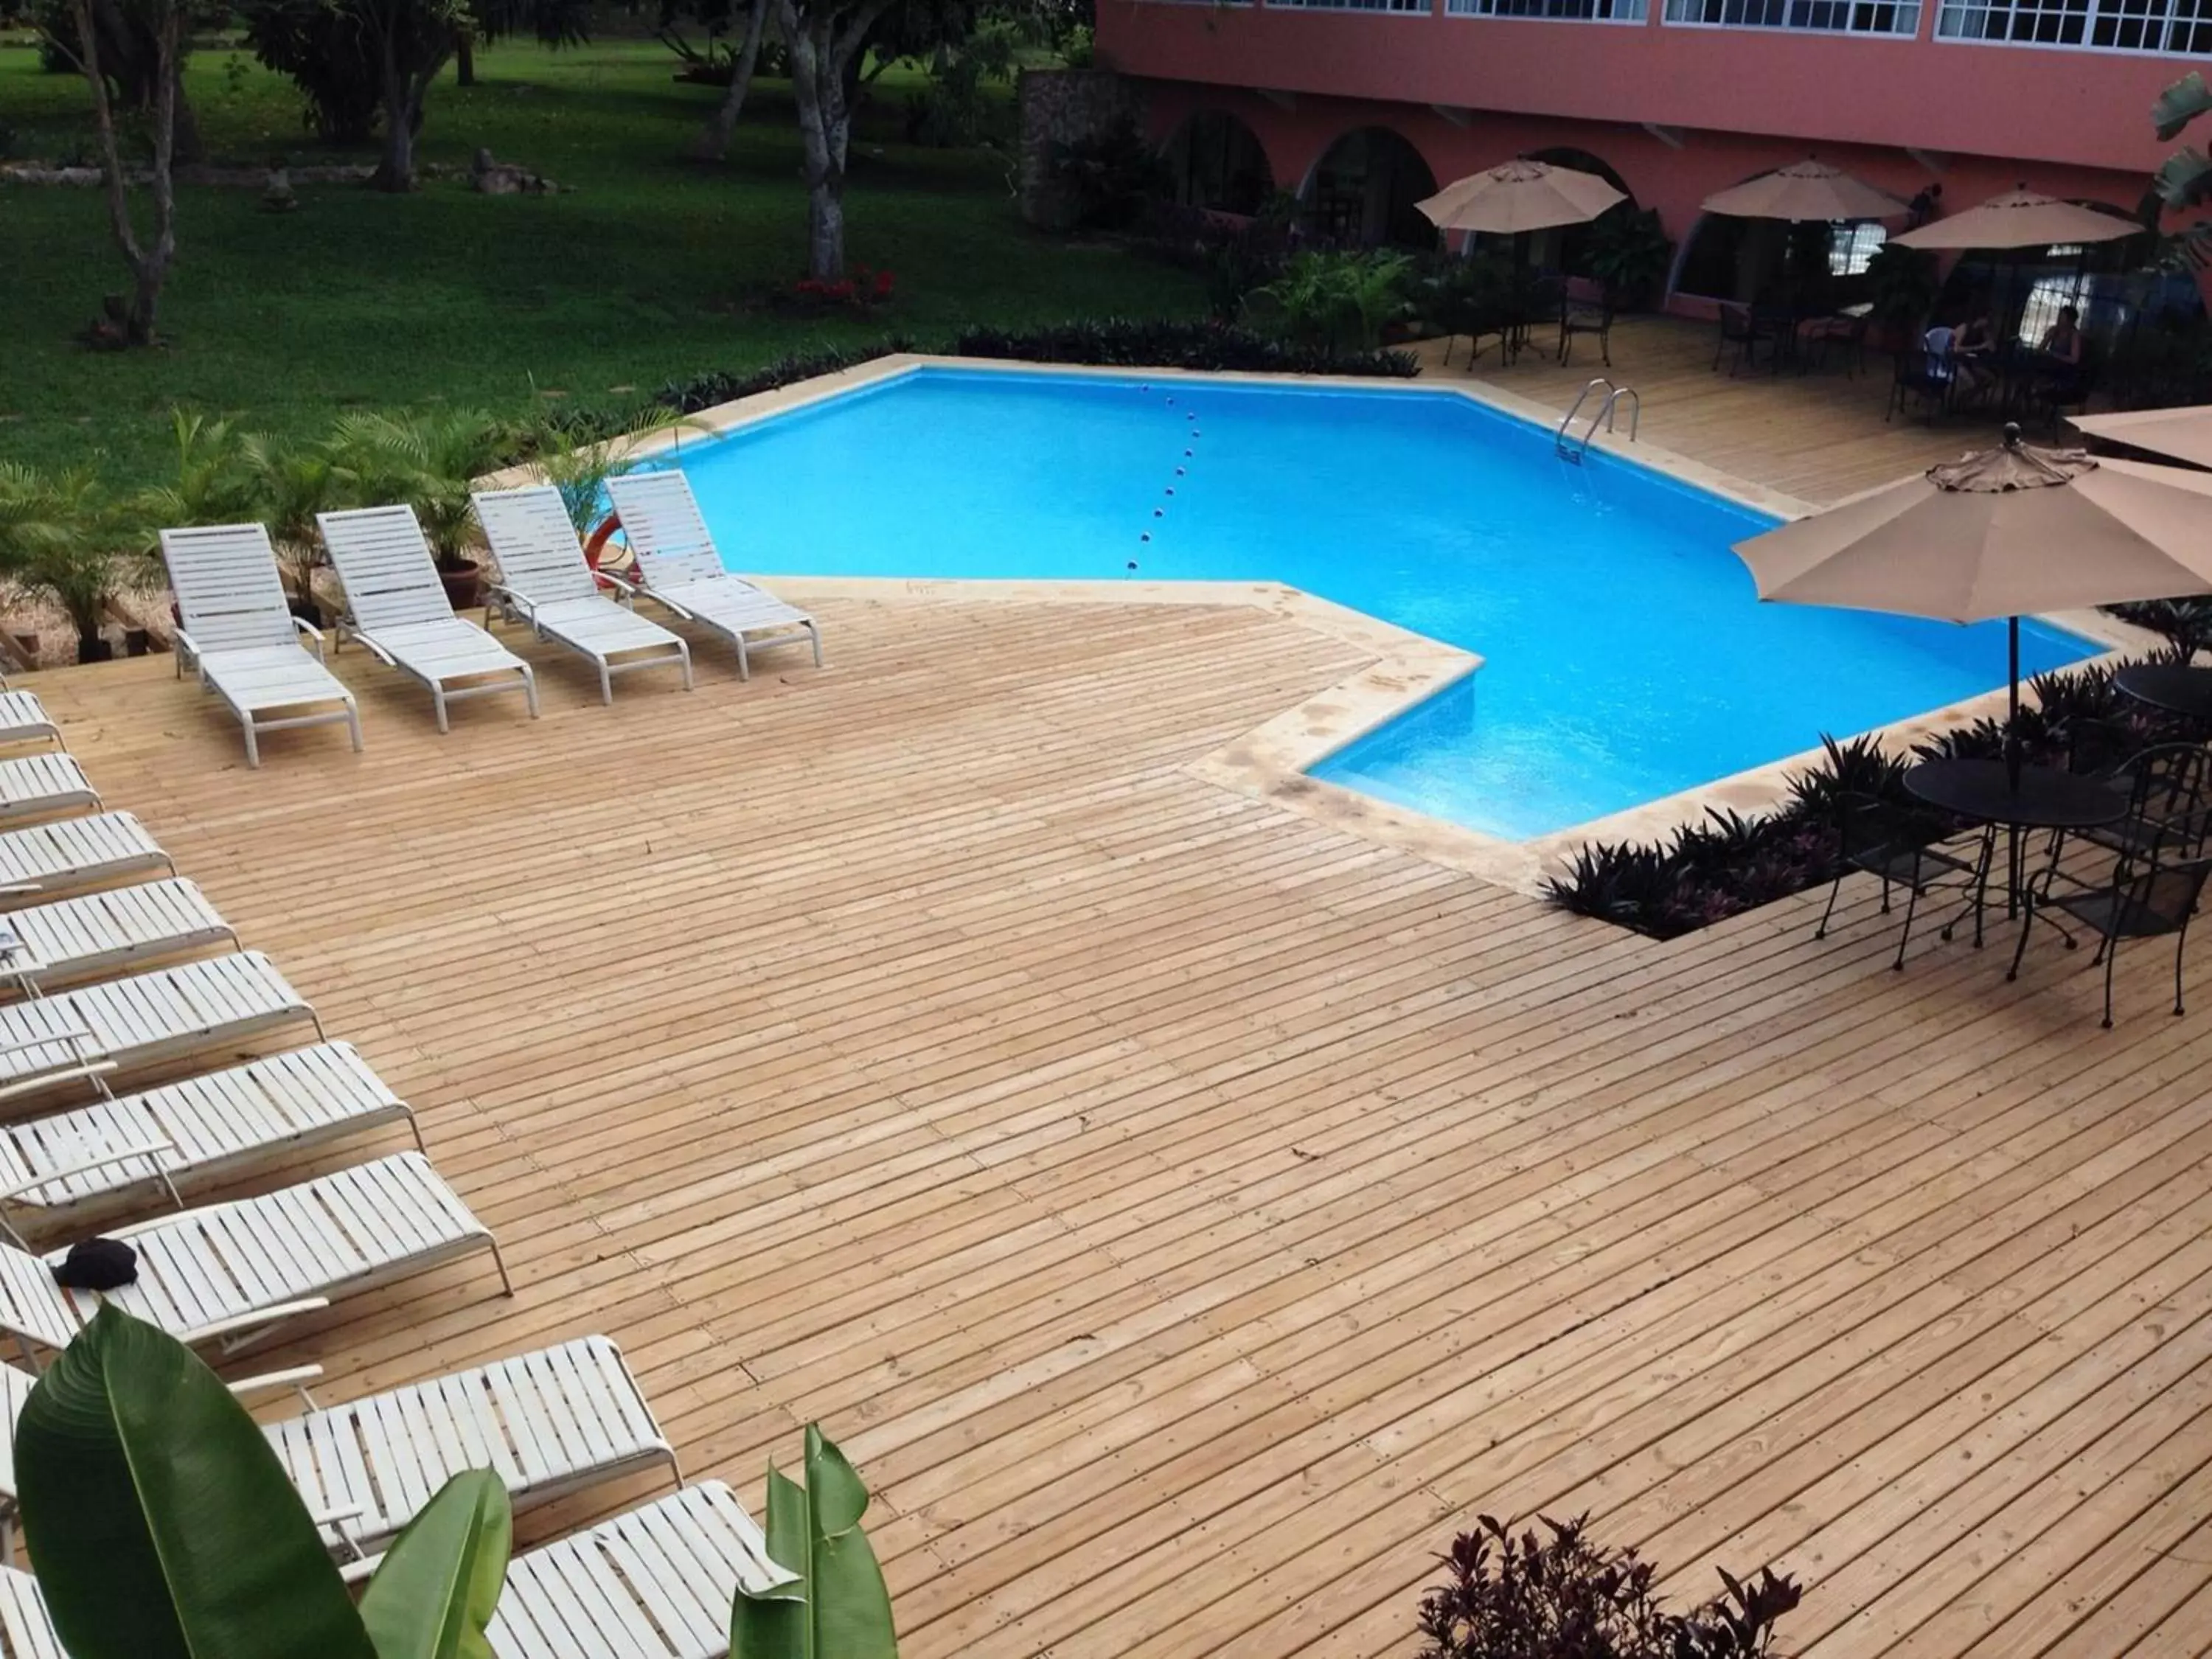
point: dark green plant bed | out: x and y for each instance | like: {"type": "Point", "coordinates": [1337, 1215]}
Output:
{"type": "Point", "coordinates": [1731, 863]}
{"type": "Point", "coordinates": [1112, 343]}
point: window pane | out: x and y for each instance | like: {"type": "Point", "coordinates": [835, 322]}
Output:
{"type": "Point", "coordinates": [2183, 26]}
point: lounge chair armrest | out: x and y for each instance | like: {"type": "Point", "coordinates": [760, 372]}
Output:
{"type": "Point", "coordinates": [621, 584]}
{"type": "Point", "coordinates": [360, 1569]}
{"type": "Point", "coordinates": [282, 1310]}
{"type": "Point", "coordinates": [313, 633]}
{"type": "Point", "coordinates": [511, 599]}
{"type": "Point", "coordinates": [73, 1034]}
{"type": "Point", "coordinates": [145, 1149]}
{"type": "Point", "coordinates": [53, 1074]}
{"type": "Point", "coordinates": [296, 1376]}
{"type": "Point", "coordinates": [374, 649]}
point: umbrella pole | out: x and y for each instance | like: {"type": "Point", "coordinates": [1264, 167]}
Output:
{"type": "Point", "coordinates": [2013, 870]}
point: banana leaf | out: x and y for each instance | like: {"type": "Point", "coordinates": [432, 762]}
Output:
{"type": "Point", "coordinates": [437, 1586]}
{"type": "Point", "coordinates": [836, 1605]}
{"type": "Point", "coordinates": [160, 1523]}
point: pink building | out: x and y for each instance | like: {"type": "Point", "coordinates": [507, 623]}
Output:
{"type": "Point", "coordinates": [1361, 107]}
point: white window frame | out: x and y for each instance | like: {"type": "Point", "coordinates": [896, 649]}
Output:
{"type": "Point", "coordinates": [1469, 9]}
{"type": "Point", "coordinates": [2088, 23]}
{"type": "Point", "coordinates": [1917, 11]}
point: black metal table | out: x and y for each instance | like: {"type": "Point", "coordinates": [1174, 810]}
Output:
{"type": "Point", "coordinates": [2176, 688]}
{"type": "Point", "coordinates": [2014, 799]}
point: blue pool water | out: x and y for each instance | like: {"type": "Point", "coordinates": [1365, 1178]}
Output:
{"type": "Point", "coordinates": [1625, 656]}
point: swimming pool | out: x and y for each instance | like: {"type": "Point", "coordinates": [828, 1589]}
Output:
{"type": "Point", "coordinates": [1625, 656]}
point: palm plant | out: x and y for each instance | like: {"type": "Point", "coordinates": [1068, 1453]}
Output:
{"type": "Point", "coordinates": [579, 466]}
{"type": "Point", "coordinates": [62, 538]}
{"type": "Point", "coordinates": [430, 461]}
{"type": "Point", "coordinates": [1335, 301]}
{"type": "Point", "coordinates": [289, 481]}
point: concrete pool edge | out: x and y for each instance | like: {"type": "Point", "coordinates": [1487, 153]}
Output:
{"type": "Point", "coordinates": [1272, 761]}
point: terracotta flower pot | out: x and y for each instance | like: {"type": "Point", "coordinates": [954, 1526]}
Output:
{"type": "Point", "coordinates": [464, 581]}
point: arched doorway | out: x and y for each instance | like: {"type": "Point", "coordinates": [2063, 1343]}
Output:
{"type": "Point", "coordinates": [1361, 192]}
{"type": "Point", "coordinates": [1567, 247]}
{"type": "Point", "coordinates": [1216, 161]}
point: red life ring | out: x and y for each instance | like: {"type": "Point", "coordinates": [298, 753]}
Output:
{"type": "Point", "coordinates": [597, 546]}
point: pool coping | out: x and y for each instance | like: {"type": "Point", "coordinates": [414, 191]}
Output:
{"type": "Point", "coordinates": [1272, 761]}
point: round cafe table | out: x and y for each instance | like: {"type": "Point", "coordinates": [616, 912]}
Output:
{"type": "Point", "coordinates": [1990, 792]}
{"type": "Point", "coordinates": [2176, 688]}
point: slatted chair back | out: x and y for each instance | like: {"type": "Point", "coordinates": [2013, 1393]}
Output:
{"type": "Point", "coordinates": [2171, 797]}
{"type": "Point", "coordinates": [27, 1630]}
{"type": "Point", "coordinates": [391, 580]}
{"type": "Point", "coordinates": [661, 521]}
{"type": "Point", "coordinates": [31, 1304]}
{"type": "Point", "coordinates": [535, 543]}
{"type": "Point", "coordinates": [228, 589]}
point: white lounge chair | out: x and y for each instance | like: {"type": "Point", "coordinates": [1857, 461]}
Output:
{"type": "Point", "coordinates": [233, 1272]}
{"type": "Point", "coordinates": [655, 1582]}
{"type": "Point", "coordinates": [51, 858]}
{"type": "Point", "coordinates": [545, 580]}
{"type": "Point", "coordinates": [23, 718]}
{"type": "Point", "coordinates": [679, 565]}
{"type": "Point", "coordinates": [115, 1152]}
{"type": "Point", "coordinates": [242, 632]}
{"type": "Point", "coordinates": [546, 1423]}
{"type": "Point", "coordinates": [397, 608]}
{"type": "Point", "coordinates": [96, 933]}
{"type": "Point", "coordinates": [86, 1033]}
{"type": "Point", "coordinates": [38, 785]}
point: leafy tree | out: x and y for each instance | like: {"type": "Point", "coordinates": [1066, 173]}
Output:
{"type": "Point", "coordinates": [157, 29]}
{"type": "Point", "coordinates": [380, 55]}
{"type": "Point", "coordinates": [2185, 182]}
{"type": "Point", "coordinates": [129, 42]}
{"type": "Point", "coordinates": [714, 141]}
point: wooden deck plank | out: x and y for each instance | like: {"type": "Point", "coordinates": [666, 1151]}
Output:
{"type": "Point", "coordinates": [1184, 1210]}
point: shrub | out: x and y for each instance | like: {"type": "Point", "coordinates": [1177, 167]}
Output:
{"type": "Point", "coordinates": [1561, 1597]}
{"type": "Point", "coordinates": [1112, 343]}
{"type": "Point", "coordinates": [1731, 863]}
{"type": "Point", "coordinates": [1109, 176]}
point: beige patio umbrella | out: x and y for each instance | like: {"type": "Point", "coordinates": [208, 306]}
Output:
{"type": "Point", "coordinates": [1804, 189]}
{"type": "Point", "coordinates": [2020, 218]}
{"type": "Point", "coordinates": [1517, 196]}
{"type": "Point", "coordinates": [2184, 434]}
{"type": "Point", "coordinates": [2007, 532]}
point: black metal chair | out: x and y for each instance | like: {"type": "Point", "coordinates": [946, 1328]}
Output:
{"type": "Point", "coordinates": [1898, 845]}
{"type": "Point", "coordinates": [1737, 329]}
{"type": "Point", "coordinates": [2169, 802]}
{"type": "Point", "coordinates": [1586, 317]}
{"type": "Point", "coordinates": [2149, 897]}
{"type": "Point", "coordinates": [1925, 376]}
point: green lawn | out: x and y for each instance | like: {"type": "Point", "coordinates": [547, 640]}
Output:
{"type": "Point", "coordinates": [656, 266]}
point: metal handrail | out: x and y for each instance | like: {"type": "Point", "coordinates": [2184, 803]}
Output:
{"type": "Point", "coordinates": [1573, 449]}
{"type": "Point", "coordinates": [1559, 437]}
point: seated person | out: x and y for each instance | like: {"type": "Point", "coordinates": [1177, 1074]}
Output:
{"type": "Point", "coordinates": [2063, 348]}
{"type": "Point", "coordinates": [1974, 348]}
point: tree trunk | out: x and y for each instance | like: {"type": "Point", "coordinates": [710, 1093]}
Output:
{"type": "Point", "coordinates": [464, 59]}
{"type": "Point", "coordinates": [148, 263]}
{"type": "Point", "coordinates": [714, 142]}
{"type": "Point", "coordinates": [821, 54]}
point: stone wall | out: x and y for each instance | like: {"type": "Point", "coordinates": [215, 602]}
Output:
{"type": "Point", "coordinates": [1064, 106]}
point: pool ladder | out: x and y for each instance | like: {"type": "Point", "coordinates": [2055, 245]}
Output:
{"type": "Point", "coordinates": [1570, 447]}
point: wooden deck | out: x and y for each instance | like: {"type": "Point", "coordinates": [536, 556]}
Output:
{"type": "Point", "coordinates": [1185, 1211]}
{"type": "Point", "coordinates": [1821, 437]}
